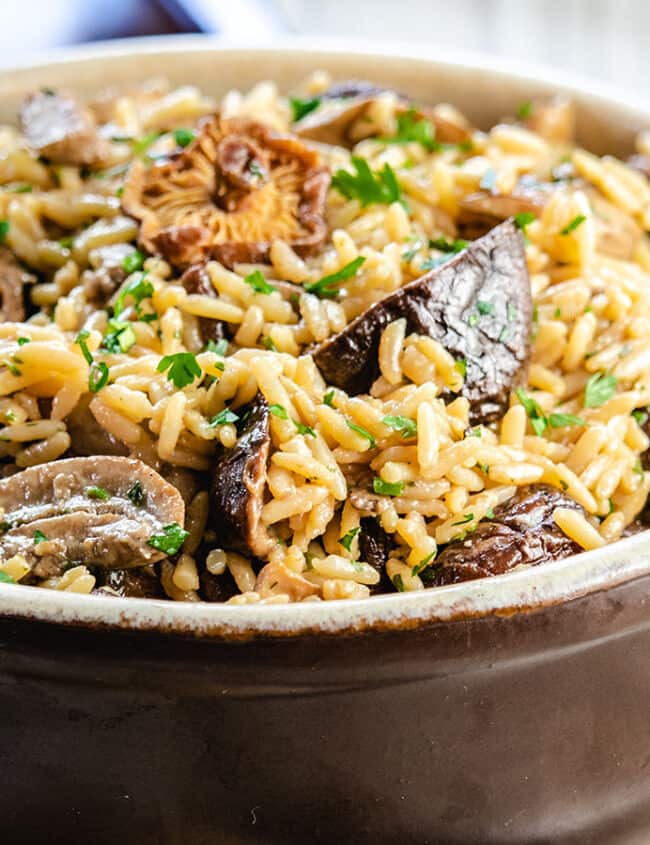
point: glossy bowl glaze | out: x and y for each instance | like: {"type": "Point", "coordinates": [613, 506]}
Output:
{"type": "Point", "coordinates": [509, 710]}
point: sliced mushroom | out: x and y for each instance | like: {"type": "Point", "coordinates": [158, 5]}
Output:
{"type": "Point", "coordinates": [98, 511]}
{"type": "Point", "coordinates": [60, 129]}
{"type": "Point", "coordinates": [477, 305]}
{"type": "Point", "coordinates": [239, 481]}
{"type": "Point", "coordinates": [140, 583]}
{"type": "Point", "coordinates": [87, 436]}
{"type": "Point", "coordinates": [13, 280]}
{"type": "Point", "coordinates": [236, 188]}
{"type": "Point", "coordinates": [374, 549]}
{"type": "Point", "coordinates": [277, 579]}
{"type": "Point", "coordinates": [108, 273]}
{"type": "Point", "coordinates": [341, 114]}
{"type": "Point", "coordinates": [522, 532]}
{"type": "Point", "coordinates": [196, 280]}
{"type": "Point", "coordinates": [481, 211]}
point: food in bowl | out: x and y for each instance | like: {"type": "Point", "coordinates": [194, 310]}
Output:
{"type": "Point", "coordinates": [317, 346]}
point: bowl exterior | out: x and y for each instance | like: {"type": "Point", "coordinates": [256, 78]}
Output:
{"type": "Point", "coordinates": [522, 729]}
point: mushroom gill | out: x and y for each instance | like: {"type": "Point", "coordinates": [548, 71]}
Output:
{"type": "Point", "coordinates": [229, 194]}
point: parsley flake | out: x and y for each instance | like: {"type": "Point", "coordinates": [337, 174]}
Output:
{"type": "Point", "coordinates": [97, 493]}
{"type": "Point", "coordinates": [485, 307]}
{"type": "Point", "coordinates": [120, 337]}
{"type": "Point", "coordinates": [304, 429]}
{"type": "Point", "coordinates": [363, 432]}
{"type": "Point", "coordinates": [410, 128]}
{"type": "Point", "coordinates": [329, 286]}
{"type": "Point", "coordinates": [523, 218]}
{"type": "Point", "coordinates": [443, 245]}
{"type": "Point", "coordinates": [599, 389]}
{"type": "Point", "coordinates": [80, 340]}
{"type": "Point", "coordinates": [4, 230]}
{"type": "Point", "coordinates": [98, 377]}
{"type": "Point", "coordinates": [279, 411]}
{"type": "Point", "coordinates": [223, 418]}
{"type": "Point", "coordinates": [6, 579]}
{"type": "Point", "coordinates": [183, 137]}
{"type": "Point", "coordinates": [525, 110]}
{"type": "Point", "coordinates": [133, 262]}
{"type": "Point", "coordinates": [39, 537]}
{"type": "Point", "coordinates": [387, 488]}
{"type": "Point", "coordinates": [328, 399]}
{"type": "Point", "coordinates": [170, 540]}
{"type": "Point", "coordinates": [407, 427]}
{"type": "Point", "coordinates": [138, 289]}
{"type": "Point", "coordinates": [182, 368]}
{"type": "Point", "coordinates": [398, 583]}
{"type": "Point", "coordinates": [348, 537]}
{"type": "Point", "coordinates": [573, 225]}
{"type": "Point", "coordinates": [259, 284]}
{"type": "Point", "coordinates": [366, 186]}
{"type": "Point", "coordinates": [136, 494]}
{"type": "Point", "coordinates": [301, 108]}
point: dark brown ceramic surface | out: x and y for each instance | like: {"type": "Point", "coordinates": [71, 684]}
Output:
{"type": "Point", "coordinates": [510, 711]}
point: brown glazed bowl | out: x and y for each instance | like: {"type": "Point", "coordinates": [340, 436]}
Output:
{"type": "Point", "coordinates": [509, 710]}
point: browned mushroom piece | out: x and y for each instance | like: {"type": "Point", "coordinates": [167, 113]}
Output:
{"type": "Point", "coordinates": [239, 482]}
{"type": "Point", "coordinates": [107, 273]}
{"type": "Point", "coordinates": [482, 210]}
{"type": "Point", "coordinates": [140, 583]}
{"type": "Point", "coordinates": [340, 116]}
{"type": "Point", "coordinates": [196, 280]}
{"type": "Point", "coordinates": [87, 436]}
{"type": "Point", "coordinates": [229, 194]}
{"type": "Point", "coordinates": [477, 305]}
{"type": "Point", "coordinates": [13, 280]}
{"type": "Point", "coordinates": [61, 129]}
{"type": "Point", "coordinates": [553, 119]}
{"type": "Point", "coordinates": [103, 511]}
{"type": "Point", "coordinates": [522, 532]}
{"type": "Point", "coordinates": [374, 549]}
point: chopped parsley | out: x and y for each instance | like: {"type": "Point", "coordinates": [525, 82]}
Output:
{"type": "Point", "coordinates": [302, 107]}
{"type": "Point", "coordinates": [171, 539]}
{"type": "Point", "coordinates": [461, 367]}
{"type": "Point", "coordinates": [39, 537]}
{"type": "Point", "coordinates": [637, 468]}
{"type": "Point", "coordinates": [523, 218]}
{"type": "Point", "coordinates": [80, 340]}
{"type": "Point", "coordinates": [562, 420]}
{"type": "Point", "coordinates": [484, 307]}
{"type": "Point", "coordinates": [363, 432]}
{"type": "Point", "coordinates": [468, 517]}
{"type": "Point", "coordinates": [183, 137]}
{"type": "Point", "coordinates": [411, 128]}
{"type": "Point", "coordinates": [328, 399]}
{"type": "Point", "coordinates": [133, 262]}
{"type": "Point", "coordinates": [444, 245]}
{"type": "Point", "coordinates": [366, 186]}
{"type": "Point", "coordinates": [599, 389]}
{"type": "Point", "coordinates": [138, 289]}
{"type": "Point", "coordinates": [136, 494]}
{"type": "Point", "coordinates": [640, 416]}
{"type": "Point", "coordinates": [279, 411]}
{"type": "Point", "coordinates": [220, 347]}
{"type": "Point", "coordinates": [422, 564]}
{"type": "Point", "coordinates": [182, 368]}
{"type": "Point", "coordinates": [304, 429]}
{"type": "Point", "coordinates": [348, 537]}
{"type": "Point", "coordinates": [537, 418]}
{"type": "Point", "coordinates": [23, 340]}
{"type": "Point", "coordinates": [141, 145]}
{"type": "Point", "coordinates": [98, 377]}
{"type": "Point", "coordinates": [407, 427]}
{"type": "Point", "coordinates": [268, 344]}
{"type": "Point", "coordinates": [259, 284]}
{"type": "Point", "coordinates": [97, 493]}
{"type": "Point", "coordinates": [511, 312]}
{"type": "Point", "coordinates": [489, 513]}
{"type": "Point", "coordinates": [472, 320]}
{"type": "Point", "coordinates": [4, 230]}
{"type": "Point", "coordinates": [387, 488]}
{"type": "Point", "coordinates": [120, 337]}
{"type": "Point", "coordinates": [223, 418]}
{"type": "Point", "coordinates": [6, 579]}
{"type": "Point", "coordinates": [329, 286]}
{"type": "Point", "coordinates": [573, 225]}
{"type": "Point", "coordinates": [525, 109]}
{"type": "Point", "coordinates": [398, 583]}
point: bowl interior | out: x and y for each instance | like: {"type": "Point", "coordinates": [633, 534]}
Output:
{"type": "Point", "coordinates": [485, 90]}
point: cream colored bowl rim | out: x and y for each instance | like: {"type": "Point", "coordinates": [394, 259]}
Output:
{"type": "Point", "coordinates": [519, 591]}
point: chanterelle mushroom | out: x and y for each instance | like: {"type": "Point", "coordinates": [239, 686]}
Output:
{"type": "Point", "coordinates": [236, 188]}
{"type": "Point", "coordinates": [110, 511]}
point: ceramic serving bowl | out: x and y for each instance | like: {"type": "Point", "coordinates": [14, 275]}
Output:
{"type": "Point", "coordinates": [507, 710]}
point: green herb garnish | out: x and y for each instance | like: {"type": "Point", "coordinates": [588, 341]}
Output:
{"type": "Point", "coordinates": [468, 517]}
{"type": "Point", "coordinates": [279, 411]}
{"type": "Point", "coordinates": [120, 337]}
{"type": "Point", "coordinates": [39, 537]}
{"type": "Point", "coordinates": [182, 368]}
{"type": "Point", "coordinates": [4, 230]}
{"type": "Point", "coordinates": [98, 377]}
{"type": "Point", "coordinates": [398, 583]}
{"type": "Point", "coordinates": [407, 427]}
{"type": "Point", "coordinates": [599, 389]}
{"type": "Point", "coordinates": [525, 109]}
{"type": "Point", "coordinates": [220, 347]}
{"type": "Point", "coordinates": [21, 341]}
{"type": "Point", "coordinates": [562, 420]}
{"type": "Point", "coordinates": [136, 494]}
{"type": "Point", "coordinates": [302, 107]}
{"type": "Point", "coordinates": [366, 186]}
{"type": "Point", "coordinates": [328, 399]}
{"type": "Point", "coordinates": [6, 579]}
{"type": "Point", "coordinates": [573, 225]}
{"type": "Point", "coordinates": [348, 537]}
{"type": "Point", "coordinates": [410, 128]}
{"type": "Point", "coordinates": [97, 493]}
{"type": "Point", "coordinates": [133, 262]}
{"type": "Point", "coordinates": [485, 307]}
{"type": "Point", "coordinates": [183, 137]}
{"type": "Point", "coordinates": [259, 284]}
{"type": "Point", "coordinates": [304, 429]}
{"type": "Point", "coordinates": [80, 340]}
{"type": "Point", "coordinates": [422, 564]}
{"type": "Point", "coordinates": [387, 488]}
{"type": "Point", "coordinates": [640, 416]}
{"type": "Point", "coordinates": [537, 418]}
{"type": "Point", "coordinates": [444, 245]}
{"type": "Point", "coordinates": [329, 286]}
{"type": "Point", "coordinates": [363, 432]}
{"type": "Point", "coordinates": [138, 289]}
{"type": "Point", "coordinates": [223, 418]}
{"type": "Point", "coordinates": [170, 540]}
{"type": "Point", "coordinates": [523, 218]}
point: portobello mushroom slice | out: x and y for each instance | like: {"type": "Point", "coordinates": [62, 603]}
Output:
{"type": "Point", "coordinates": [13, 280]}
{"type": "Point", "coordinates": [522, 532]}
{"type": "Point", "coordinates": [106, 511]}
{"type": "Point", "coordinates": [477, 305]}
{"type": "Point", "coordinates": [57, 127]}
{"type": "Point", "coordinates": [239, 479]}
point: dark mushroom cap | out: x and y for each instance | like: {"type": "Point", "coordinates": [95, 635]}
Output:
{"type": "Point", "coordinates": [229, 194]}
{"type": "Point", "coordinates": [494, 341]}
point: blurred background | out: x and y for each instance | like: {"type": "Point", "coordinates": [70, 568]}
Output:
{"type": "Point", "coordinates": [601, 38]}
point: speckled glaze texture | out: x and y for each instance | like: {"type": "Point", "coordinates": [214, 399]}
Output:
{"type": "Point", "coordinates": [507, 711]}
